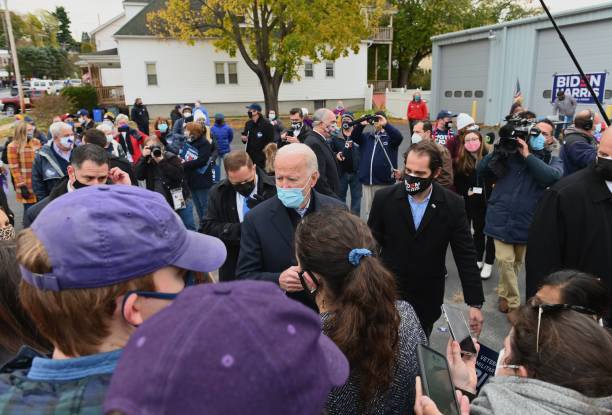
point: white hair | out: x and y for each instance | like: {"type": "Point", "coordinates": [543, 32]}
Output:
{"type": "Point", "coordinates": [57, 128]}
{"type": "Point", "coordinates": [105, 128]}
{"type": "Point", "coordinates": [303, 150]}
{"type": "Point", "coordinates": [319, 115]}
{"type": "Point", "coordinates": [122, 117]}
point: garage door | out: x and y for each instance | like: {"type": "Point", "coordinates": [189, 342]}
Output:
{"type": "Point", "coordinates": [464, 80]}
{"type": "Point", "coordinates": [590, 43]}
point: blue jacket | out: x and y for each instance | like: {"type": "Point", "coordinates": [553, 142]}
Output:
{"type": "Point", "coordinates": [512, 204]}
{"type": "Point", "coordinates": [224, 134]}
{"type": "Point", "coordinates": [579, 150]}
{"type": "Point", "coordinates": [47, 171]}
{"type": "Point", "coordinates": [374, 167]}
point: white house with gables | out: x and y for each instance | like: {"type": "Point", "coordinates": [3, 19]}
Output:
{"type": "Point", "coordinates": [131, 62]}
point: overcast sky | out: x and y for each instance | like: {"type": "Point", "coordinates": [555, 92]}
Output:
{"type": "Point", "coordinates": [88, 14]}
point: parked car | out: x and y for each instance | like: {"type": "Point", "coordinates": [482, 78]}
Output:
{"type": "Point", "coordinates": [11, 105]}
{"type": "Point", "coordinates": [59, 85]}
{"type": "Point", "coordinates": [75, 82]}
{"type": "Point", "coordinates": [46, 85]}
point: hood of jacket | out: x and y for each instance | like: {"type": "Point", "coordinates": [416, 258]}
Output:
{"type": "Point", "coordinates": [509, 395]}
{"type": "Point", "coordinates": [573, 130]}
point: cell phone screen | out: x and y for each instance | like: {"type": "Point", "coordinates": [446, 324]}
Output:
{"type": "Point", "coordinates": [436, 380]}
{"type": "Point", "coordinates": [459, 328]}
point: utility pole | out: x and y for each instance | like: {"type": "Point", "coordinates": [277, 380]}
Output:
{"type": "Point", "coordinates": [9, 27]}
{"type": "Point", "coordinates": [8, 48]}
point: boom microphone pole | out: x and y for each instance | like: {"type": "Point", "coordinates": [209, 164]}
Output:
{"type": "Point", "coordinates": [569, 50]}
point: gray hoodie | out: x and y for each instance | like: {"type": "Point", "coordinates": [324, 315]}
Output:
{"type": "Point", "coordinates": [510, 395]}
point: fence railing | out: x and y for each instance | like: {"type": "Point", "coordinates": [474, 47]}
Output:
{"type": "Point", "coordinates": [110, 95]}
{"type": "Point", "coordinates": [382, 34]}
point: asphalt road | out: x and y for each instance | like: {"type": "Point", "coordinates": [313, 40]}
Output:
{"type": "Point", "coordinates": [496, 325]}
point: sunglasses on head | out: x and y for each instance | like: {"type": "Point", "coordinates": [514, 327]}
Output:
{"type": "Point", "coordinates": [549, 308]}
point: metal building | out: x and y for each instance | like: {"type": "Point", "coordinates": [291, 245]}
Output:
{"type": "Point", "coordinates": [484, 64]}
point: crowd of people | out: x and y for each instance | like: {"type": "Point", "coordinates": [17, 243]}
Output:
{"type": "Point", "coordinates": [111, 300]}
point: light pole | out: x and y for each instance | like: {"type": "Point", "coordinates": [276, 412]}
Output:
{"type": "Point", "coordinates": [9, 27]}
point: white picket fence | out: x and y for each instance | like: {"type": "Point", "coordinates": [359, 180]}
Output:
{"type": "Point", "coordinates": [397, 100]}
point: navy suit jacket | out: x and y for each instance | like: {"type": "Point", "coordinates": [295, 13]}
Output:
{"type": "Point", "coordinates": [266, 241]}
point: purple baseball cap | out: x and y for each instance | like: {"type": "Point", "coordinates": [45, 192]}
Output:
{"type": "Point", "coordinates": [230, 348]}
{"type": "Point", "coordinates": [103, 235]}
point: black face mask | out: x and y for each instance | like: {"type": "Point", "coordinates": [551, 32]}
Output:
{"type": "Point", "coordinates": [245, 189]}
{"type": "Point", "coordinates": [124, 128]}
{"type": "Point", "coordinates": [604, 168]}
{"type": "Point", "coordinates": [416, 185]}
{"type": "Point", "coordinates": [448, 125]}
{"type": "Point", "coordinates": [296, 125]}
{"type": "Point", "coordinates": [77, 184]}
{"type": "Point", "coordinates": [250, 114]}
{"type": "Point", "coordinates": [219, 122]}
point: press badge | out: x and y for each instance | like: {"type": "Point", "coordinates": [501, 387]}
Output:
{"type": "Point", "coordinates": [477, 190]}
{"type": "Point", "coordinates": [259, 134]}
{"type": "Point", "coordinates": [177, 198]}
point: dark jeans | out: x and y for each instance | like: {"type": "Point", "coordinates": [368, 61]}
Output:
{"type": "Point", "coordinates": [352, 180]}
{"type": "Point", "coordinates": [200, 200]}
{"type": "Point", "coordinates": [567, 121]}
{"type": "Point", "coordinates": [477, 218]}
{"type": "Point", "coordinates": [186, 215]}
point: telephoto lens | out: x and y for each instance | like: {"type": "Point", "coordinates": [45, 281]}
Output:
{"type": "Point", "coordinates": [156, 151]}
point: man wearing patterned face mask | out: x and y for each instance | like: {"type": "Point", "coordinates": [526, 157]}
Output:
{"type": "Point", "coordinates": [298, 131]}
{"type": "Point", "coordinates": [51, 162]}
{"type": "Point", "coordinates": [414, 222]}
{"type": "Point", "coordinates": [572, 224]}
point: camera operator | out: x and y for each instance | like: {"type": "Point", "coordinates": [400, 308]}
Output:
{"type": "Point", "coordinates": [378, 149]}
{"type": "Point", "coordinates": [580, 147]}
{"type": "Point", "coordinates": [347, 154]}
{"type": "Point", "coordinates": [298, 131]}
{"type": "Point", "coordinates": [521, 171]}
{"type": "Point", "coordinates": [163, 173]}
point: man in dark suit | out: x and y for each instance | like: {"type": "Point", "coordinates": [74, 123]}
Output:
{"type": "Point", "coordinates": [414, 222]}
{"type": "Point", "coordinates": [297, 132]}
{"type": "Point", "coordinates": [266, 244]}
{"type": "Point", "coordinates": [229, 201]}
{"type": "Point", "coordinates": [323, 126]}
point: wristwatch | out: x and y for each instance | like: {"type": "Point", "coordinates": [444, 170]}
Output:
{"type": "Point", "coordinates": [478, 306]}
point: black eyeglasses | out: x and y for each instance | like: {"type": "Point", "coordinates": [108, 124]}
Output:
{"type": "Point", "coordinates": [558, 307]}
{"type": "Point", "coordinates": [305, 284]}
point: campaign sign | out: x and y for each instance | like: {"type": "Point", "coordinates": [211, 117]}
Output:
{"type": "Point", "coordinates": [574, 85]}
{"type": "Point", "coordinates": [485, 365]}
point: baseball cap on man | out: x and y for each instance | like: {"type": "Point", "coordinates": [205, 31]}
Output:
{"type": "Point", "coordinates": [83, 112]}
{"type": "Point", "coordinates": [230, 348]}
{"type": "Point", "coordinates": [103, 235]}
{"type": "Point", "coordinates": [444, 114]}
{"type": "Point", "coordinates": [254, 107]}
{"type": "Point", "coordinates": [219, 116]}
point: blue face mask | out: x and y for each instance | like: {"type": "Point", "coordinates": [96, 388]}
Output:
{"type": "Point", "coordinates": [162, 128]}
{"type": "Point", "coordinates": [291, 198]}
{"type": "Point", "coordinates": [417, 99]}
{"type": "Point", "coordinates": [537, 143]}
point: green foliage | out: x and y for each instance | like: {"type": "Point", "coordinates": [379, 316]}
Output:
{"type": "Point", "coordinates": [52, 63]}
{"type": "Point", "coordinates": [64, 36]}
{"type": "Point", "coordinates": [273, 36]}
{"type": "Point", "coordinates": [18, 29]}
{"type": "Point", "coordinates": [82, 96]}
{"type": "Point", "coordinates": [49, 106]}
{"type": "Point", "coordinates": [418, 20]}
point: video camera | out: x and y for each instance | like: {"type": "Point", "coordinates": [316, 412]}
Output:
{"type": "Point", "coordinates": [523, 128]}
{"type": "Point", "coordinates": [371, 119]}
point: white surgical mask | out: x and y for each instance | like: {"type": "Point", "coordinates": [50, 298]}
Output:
{"type": "Point", "coordinates": [416, 138]}
{"type": "Point", "coordinates": [272, 116]}
{"type": "Point", "coordinates": [67, 141]}
{"type": "Point", "coordinates": [109, 138]}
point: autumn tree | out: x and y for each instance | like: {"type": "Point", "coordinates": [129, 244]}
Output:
{"type": "Point", "coordinates": [272, 36]}
{"type": "Point", "coordinates": [418, 20]}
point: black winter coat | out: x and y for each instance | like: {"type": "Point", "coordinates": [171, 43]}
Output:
{"type": "Point", "coordinates": [572, 229]}
{"type": "Point", "coordinates": [222, 219]}
{"type": "Point", "coordinates": [195, 179]}
{"type": "Point", "coordinates": [170, 170]}
{"type": "Point", "coordinates": [291, 133]}
{"type": "Point", "coordinates": [140, 115]}
{"type": "Point", "coordinates": [417, 257]}
{"type": "Point", "coordinates": [259, 135]}
{"type": "Point", "coordinates": [329, 181]}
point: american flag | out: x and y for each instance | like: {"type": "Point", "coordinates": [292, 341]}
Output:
{"type": "Point", "coordinates": [517, 90]}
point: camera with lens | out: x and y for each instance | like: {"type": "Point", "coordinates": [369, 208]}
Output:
{"type": "Point", "coordinates": [156, 151]}
{"type": "Point", "coordinates": [523, 128]}
{"type": "Point", "coordinates": [370, 119]}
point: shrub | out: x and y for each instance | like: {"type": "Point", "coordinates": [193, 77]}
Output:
{"type": "Point", "coordinates": [82, 96]}
{"type": "Point", "coordinates": [48, 107]}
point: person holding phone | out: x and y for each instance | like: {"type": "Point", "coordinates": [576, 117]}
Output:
{"type": "Point", "coordinates": [556, 359]}
{"type": "Point", "coordinates": [356, 297]}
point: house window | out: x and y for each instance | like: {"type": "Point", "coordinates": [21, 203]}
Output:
{"type": "Point", "coordinates": [232, 70]}
{"type": "Point", "coordinates": [479, 94]}
{"type": "Point", "coordinates": [458, 94]}
{"type": "Point", "coordinates": [547, 94]}
{"type": "Point", "coordinates": [220, 72]}
{"type": "Point", "coordinates": [467, 94]}
{"type": "Point", "coordinates": [309, 70]}
{"type": "Point", "coordinates": [151, 74]}
{"type": "Point", "coordinates": [607, 94]}
{"type": "Point", "coordinates": [448, 94]}
{"type": "Point", "coordinates": [329, 69]}
{"type": "Point", "coordinates": [229, 68]}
